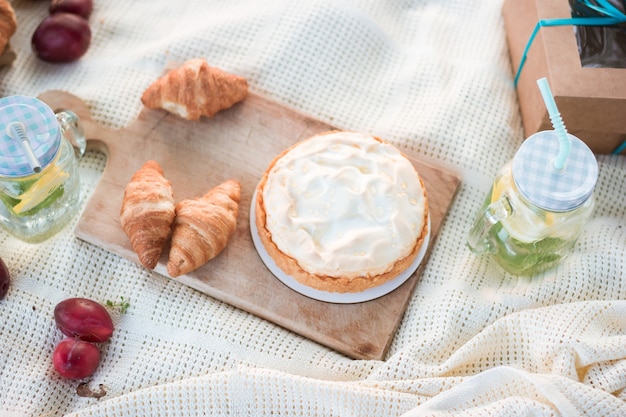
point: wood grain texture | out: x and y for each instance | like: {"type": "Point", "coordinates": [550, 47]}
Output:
{"type": "Point", "coordinates": [240, 143]}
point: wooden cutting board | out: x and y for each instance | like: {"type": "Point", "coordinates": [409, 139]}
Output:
{"type": "Point", "coordinates": [240, 143]}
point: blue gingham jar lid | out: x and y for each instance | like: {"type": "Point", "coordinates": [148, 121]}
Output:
{"type": "Point", "coordinates": [41, 128]}
{"type": "Point", "coordinates": [545, 186]}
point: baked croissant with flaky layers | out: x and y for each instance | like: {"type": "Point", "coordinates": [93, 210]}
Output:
{"type": "Point", "coordinates": [8, 23]}
{"type": "Point", "coordinates": [147, 212]}
{"type": "Point", "coordinates": [195, 89]}
{"type": "Point", "coordinates": [203, 227]}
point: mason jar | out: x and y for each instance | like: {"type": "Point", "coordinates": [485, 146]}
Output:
{"type": "Point", "coordinates": [534, 213]}
{"type": "Point", "coordinates": [39, 180]}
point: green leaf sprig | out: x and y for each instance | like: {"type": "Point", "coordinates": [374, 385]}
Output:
{"type": "Point", "coordinates": [122, 305]}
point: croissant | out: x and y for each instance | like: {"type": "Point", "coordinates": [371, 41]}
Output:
{"type": "Point", "coordinates": [8, 23]}
{"type": "Point", "coordinates": [147, 212]}
{"type": "Point", "coordinates": [195, 89]}
{"type": "Point", "coordinates": [8, 26]}
{"type": "Point", "coordinates": [203, 227]}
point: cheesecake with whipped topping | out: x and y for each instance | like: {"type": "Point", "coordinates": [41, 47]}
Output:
{"type": "Point", "coordinates": [342, 211]}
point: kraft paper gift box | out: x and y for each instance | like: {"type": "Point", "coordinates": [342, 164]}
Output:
{"type": "Point", "coordinates": [591, 100]}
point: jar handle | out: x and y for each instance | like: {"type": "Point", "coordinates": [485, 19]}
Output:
{"type": "Point", "coordinates": [73, 130]}
{"type": "Point", "coordinates": [479, 240]}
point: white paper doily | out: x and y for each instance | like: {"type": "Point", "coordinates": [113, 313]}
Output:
{"type": "Point", "coordinates": [332, 297]}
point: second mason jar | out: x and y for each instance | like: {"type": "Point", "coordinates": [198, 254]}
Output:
{"type": "Point", "coordinates": [534, 213]}
{"type": "Point", "coordinates": [39, 181]}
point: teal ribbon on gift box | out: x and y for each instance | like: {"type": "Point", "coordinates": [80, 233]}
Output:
{"type": "Point", "coordinates": [609, 15]}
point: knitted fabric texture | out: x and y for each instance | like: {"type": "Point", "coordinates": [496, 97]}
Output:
{"type": "Point", "coordinates": [433, 77]}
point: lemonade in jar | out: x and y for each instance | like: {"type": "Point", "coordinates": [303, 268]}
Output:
{"type": "Point", "coordinates": [540, 201]}
{"type": "Point", "coordinates": [39, 181]}
{"type": "Point", "coordinates": [534, 212]}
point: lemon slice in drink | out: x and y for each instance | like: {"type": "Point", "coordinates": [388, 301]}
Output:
{"type": "Point", "coordinates": [523, 225]}
{"type": "Point", "coordinates": [41, 189]}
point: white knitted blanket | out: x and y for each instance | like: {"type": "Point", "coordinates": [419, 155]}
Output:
{"type": "Point", "coordinates": [432, 76]}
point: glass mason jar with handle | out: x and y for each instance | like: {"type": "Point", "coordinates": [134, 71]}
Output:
{"type": "Point", "coordinates": [39, 181]}
{"type": "Point", "coordinates": [535, 212]}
